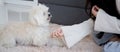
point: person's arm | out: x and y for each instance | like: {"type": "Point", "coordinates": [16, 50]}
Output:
{"type": "Point", "coordinates": [106, 23]}
{"type": "Point", "coordinates": [73, 34]}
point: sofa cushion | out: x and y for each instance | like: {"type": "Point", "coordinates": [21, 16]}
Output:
{"type": "Point", "coordinates": [73, 3]}
{"type": "Point", "coordinates": [67, 15]}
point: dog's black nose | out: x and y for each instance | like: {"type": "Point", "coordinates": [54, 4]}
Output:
{"type": "Point", "coordinates": [50, 15]}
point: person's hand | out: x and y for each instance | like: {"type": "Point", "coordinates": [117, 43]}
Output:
{"type": "Point", "coordinates": [57, 33]}
{"type": "Point", "coordinates": [95, 10]}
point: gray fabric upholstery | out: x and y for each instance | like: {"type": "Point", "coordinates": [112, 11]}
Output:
{"type": "Point", "coordinates": [72, 3]}
{"type": "Point", "coordinates": [66, 12]}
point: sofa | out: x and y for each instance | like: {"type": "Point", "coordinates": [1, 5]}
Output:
{"type": "Point", "coordinates": [66, 12]}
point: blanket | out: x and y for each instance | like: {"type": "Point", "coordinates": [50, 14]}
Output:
{"type": "Point", "coordinates": [85, 45]}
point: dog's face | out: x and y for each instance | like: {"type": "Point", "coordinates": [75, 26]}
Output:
{"type": "Point", "coordinates": [39, 15]}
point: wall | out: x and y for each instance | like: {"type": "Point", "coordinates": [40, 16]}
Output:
{"type": "Point", "coordinates": [15, 10]}
{"type": "Point", "coordinates": [3, 18]}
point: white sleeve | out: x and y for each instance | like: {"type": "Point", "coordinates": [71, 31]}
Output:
{"type": "Point", "coordinates": [75, 33]}
{"type": "Point", "coordinates": [118, 5]}
{"type": "Point", "coordinates": [107, 23]}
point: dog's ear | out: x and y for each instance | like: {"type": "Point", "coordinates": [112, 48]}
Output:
{"type": "Point", "coordinates": [32, 13]}
{"type": "Point", "coordinates": [36, 18]}
{"type": "Point", "coordinates": [39, 20]}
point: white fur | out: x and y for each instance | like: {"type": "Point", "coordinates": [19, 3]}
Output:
{"type": "Point", "coordinates": [34, 32]}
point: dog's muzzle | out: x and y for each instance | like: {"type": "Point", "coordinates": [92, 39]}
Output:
{"type": "Point", "coordinates": [49, 16]}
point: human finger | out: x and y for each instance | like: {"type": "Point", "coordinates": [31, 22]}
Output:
{"type": "Point", "coordinates": [53, 35]}
{"type": "Point", "coordinates": [95, 10]}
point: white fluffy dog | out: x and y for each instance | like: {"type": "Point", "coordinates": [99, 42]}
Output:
{"type": "Point", "coordinates": [34, 32]}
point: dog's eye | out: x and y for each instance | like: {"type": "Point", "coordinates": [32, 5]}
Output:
{"type": "Point", "coordinates": [49, 15]}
